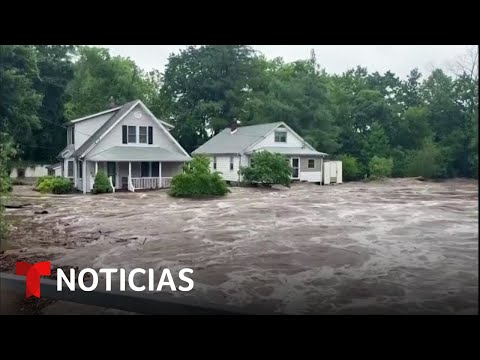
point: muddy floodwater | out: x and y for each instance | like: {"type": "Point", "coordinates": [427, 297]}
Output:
{"type": "Point", "coordinates": [400, 246]}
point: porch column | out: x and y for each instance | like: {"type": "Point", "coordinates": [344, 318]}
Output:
{"type": "Point", "coordinates": [85, 176]}
{"type": "Point", "coordinates": [160, 174]}
{"type": "Point", "coordinates": [96, 168]}
{"type": "Point", "coordinates": [129, 170]}
{"type": "Point", "coordinates": [74, 172]}
{"type": "Point", "coordinates": [149, 169]}
{"type": "Point", "coordinates": [116, 175]}
{"type": "Point", "coordinates": [321, 169]}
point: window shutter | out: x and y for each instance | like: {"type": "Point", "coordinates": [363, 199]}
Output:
{"type": "Point", "coordinates": [124, 134]}
{"type": "Point", "coordinates": [150, 135]}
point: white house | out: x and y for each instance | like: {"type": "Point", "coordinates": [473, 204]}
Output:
{"type": "Point", "coordinates": [233, 147]}
{"type": "Point", "coordinates": [133, 147]}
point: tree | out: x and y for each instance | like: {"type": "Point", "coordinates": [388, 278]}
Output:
{"type": "Point", "coordinates": [55, 68]}
{"type": "Point", "coordinates": [380, 168]}
{"type": "Point", "coordinates": [7, 152]}
{"type": "Point", "coordinates": [268, 169]}
{"type": "Point", "coordinates": [98, 77]}
{"type": "Point", "coordinates": [351, 169]}
{"type": "Point", "coordinates": [20, 101]}
{"type": "Point", "coordinates": [428, 162]}
{"type": "Point", "coordinates": [205, 88]}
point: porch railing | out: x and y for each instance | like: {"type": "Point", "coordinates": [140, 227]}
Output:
{"type": "Point", "coordinates": [111, 183]}
{"type": "Point", "coordinates": [149, 183]}
{"type": "Point", "coordinates": [166, 182]}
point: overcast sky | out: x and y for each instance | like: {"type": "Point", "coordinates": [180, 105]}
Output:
{"type": "Point", "coordinates": [334, 58]}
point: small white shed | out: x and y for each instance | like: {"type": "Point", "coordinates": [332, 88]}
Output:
{"type": "Point", "coordinates": [332, 172]}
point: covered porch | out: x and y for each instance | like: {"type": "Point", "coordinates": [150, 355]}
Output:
{"type": "Point", "coordinates": [131, 168]}
{"type": "Point", "coordinates": [127, 175]}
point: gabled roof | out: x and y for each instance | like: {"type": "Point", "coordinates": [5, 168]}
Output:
{"type": "Point", "coordinates": [96, 136]}
{"type": "Point", "coordinates": [227, 143]}
{"type": "Point", "coordinates": [95, 115]}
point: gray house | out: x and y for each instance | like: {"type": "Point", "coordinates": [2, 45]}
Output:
{"type": "Point", "coordinates": [133, 147]}
{"type": "Point", "coordinates": [233, 147]}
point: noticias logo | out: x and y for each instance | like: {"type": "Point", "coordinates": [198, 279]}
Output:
{"type": "Point", "coordinates": [34, 271]}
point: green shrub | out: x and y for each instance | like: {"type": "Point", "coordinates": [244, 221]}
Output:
{"type": "Point", "coordinates": [351, 168]}
{"type": "Point", "coordinates": [380, 168]}
{"type": "Point", "coordinates": [43, 178]}
{"type": "Point", "coordinates": [268, 169]}
{"type": "Point", "coordinates": [428, 162]}
{"type": "Point", "coordinates": [55, 185]}
{"type": "Point", "coordinates": [102, 183]}
{"type": "Point", "coordinates": [197, 180]}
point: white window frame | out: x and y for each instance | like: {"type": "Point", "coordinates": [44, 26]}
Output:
{"type": "Point", "coordinates": [128, 134]}
{"type": "Point", "coordinates": [308, 164]}
{"type": "Point", "coordinates": [140, 135]}
{"type": "Point", "coordinates": [278, 132]}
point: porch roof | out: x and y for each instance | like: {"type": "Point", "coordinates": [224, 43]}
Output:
{"type": "Point", "coordinates": [291, 151]}
{"type": "Point", "coordinates": [137, 153]}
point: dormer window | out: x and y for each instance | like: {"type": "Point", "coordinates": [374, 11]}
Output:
{"type": "Point", "coordinates": [280, 136]}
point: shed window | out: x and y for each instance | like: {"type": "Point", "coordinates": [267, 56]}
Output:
{"type": "Point", "coordinates": [311, 163]}
{"type": "Point", "coordinates": [132, 134]}
{"type": "Point", "coordinates": [231, 163]}
{"type": "Point", "coordinates": [281, 136]}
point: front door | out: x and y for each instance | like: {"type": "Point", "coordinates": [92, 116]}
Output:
{"type": "Point", "coordinates": [295, 165]}
{"type": "Point", "coordinates": [112, 171]}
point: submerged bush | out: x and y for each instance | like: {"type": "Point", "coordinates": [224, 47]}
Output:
{"type": "Point", "coordinates": [380, 168]}
{"type": "Point", "coordinates": [54, 185]}
{"type": "Point", "coordinates": [101, 184]}
{"type": "Point", "coordinates": [351, 168]}
{"type": "Point", "coordinates": [197, 180]}
{"type": "Point", "coordinates": [268, 169]}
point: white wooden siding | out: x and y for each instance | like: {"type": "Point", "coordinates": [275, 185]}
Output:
{"type": "Point", "coordinates": [269, 141]}
{"type": "Point", "coordinates": [223, 166]}
{"type": "Point", "coordinates": [84, 129]}
{"type": "Point", "coordinates": [312, 176]}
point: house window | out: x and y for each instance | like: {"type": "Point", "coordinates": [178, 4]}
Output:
{"type": "Point", "coordinates": [79, 172]}
{"type": "Point", "coordinates": [214, 163]}
{"type": "Point", "coordinates": [132, 134]}
{"type": "Point", "coordinates": [142, 135]}
{"type": "Point", "coordinates": [70, 168]}
{"type": "Point", "coordinates": [231, 163]}
{"type": "Point", "coordinates": [281, 136]}
{"type": "Point", "coordinates": [311, 163]}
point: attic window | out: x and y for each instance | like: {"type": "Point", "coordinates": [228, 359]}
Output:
{"type": "Point", "coordinates": [280, 136]}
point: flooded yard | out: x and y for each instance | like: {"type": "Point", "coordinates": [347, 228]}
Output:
{"type": "Point", "coordinates": [400, 246]}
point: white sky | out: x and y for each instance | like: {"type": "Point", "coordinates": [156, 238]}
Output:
{"type": "Point", "coordinates": [400, 59]}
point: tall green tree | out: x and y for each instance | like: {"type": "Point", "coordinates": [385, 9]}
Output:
{"type": "Point", "coordinates": [55, 71]}
{"type": "Point", "coordinates": [205, 88]}
{"type": "Point", "coordinates": [98, 77]}
{"type": "Point", "coordinates": [19, 100]}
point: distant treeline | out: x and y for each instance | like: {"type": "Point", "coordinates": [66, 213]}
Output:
{"type": "Point", "coordinates": [421, 125]}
